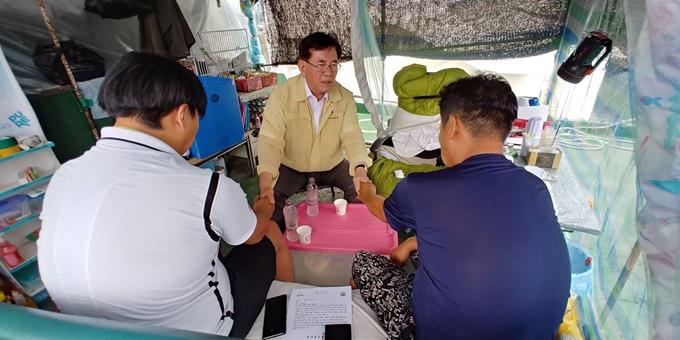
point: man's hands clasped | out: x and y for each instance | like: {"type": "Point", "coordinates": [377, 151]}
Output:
{"type": "Point", "coordinates": [360, 178]}
{"type": "Point", "coordinates": [263, 207]}
{"type": "Point", "coordinates": [366, 191]}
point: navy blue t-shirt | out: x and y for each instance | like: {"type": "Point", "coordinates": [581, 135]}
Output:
{"type": "Point", "coordinates": [494, 263]}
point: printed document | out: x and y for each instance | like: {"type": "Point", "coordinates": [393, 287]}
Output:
{"type": "Point", "coordinates": [311, 309]}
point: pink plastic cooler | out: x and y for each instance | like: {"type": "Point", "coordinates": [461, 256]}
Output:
{"type": "Point", "coordinates": [327, 260]}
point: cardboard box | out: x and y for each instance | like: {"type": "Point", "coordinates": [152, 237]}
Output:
{"type": "Point", "coordinates": [250, 84]}
{"type": "Point", "coordinates": [542, 159]}
{"type": "Point", "coordinates": [270, 79]}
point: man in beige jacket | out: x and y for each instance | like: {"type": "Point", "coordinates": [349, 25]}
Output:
{"type": "Point", "coordinates": [310, 129]}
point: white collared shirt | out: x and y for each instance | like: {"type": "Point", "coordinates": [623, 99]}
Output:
{"type": "Point", "coordinates": [316, 105]}
{"type": "Point", "coordinates": [130, 232]}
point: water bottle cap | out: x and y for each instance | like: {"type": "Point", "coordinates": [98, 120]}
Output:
{"type": "Point", "coordinates": [289, 202]}
{"type": "Point", "coordinates": [311, 179]}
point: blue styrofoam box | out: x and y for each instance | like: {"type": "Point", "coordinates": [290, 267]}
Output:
{"type": "Point", "coordinates": [221, 126]}
{"type": "Point", "coordinates": [210, 165]}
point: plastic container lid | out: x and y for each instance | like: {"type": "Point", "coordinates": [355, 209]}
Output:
{"type": "Point", "coordinates": [7, 142]}
{"type": "Point", "coordinates": [356, 230]}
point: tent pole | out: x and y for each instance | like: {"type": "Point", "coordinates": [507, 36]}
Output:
{"type": "Point", "coordinates": [55, 40]}
{"type": "Point", "coordinates": [623, 278]}
{"type": "Point", "coordinates": [383, 23]}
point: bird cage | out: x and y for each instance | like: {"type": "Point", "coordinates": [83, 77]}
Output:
{"type": "Point", "coordinates": [218, 53]}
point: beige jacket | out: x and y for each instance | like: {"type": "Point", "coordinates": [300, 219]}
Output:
{"type": "Point", "coordinates": [288, 136]}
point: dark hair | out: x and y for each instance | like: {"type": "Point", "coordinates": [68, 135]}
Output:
{"type": "Point", "coordinates": [484, 103]}
{"type": "Point", "coordinates": [318, 41]}
{"type": "Point", "coordinates": [148, 87]}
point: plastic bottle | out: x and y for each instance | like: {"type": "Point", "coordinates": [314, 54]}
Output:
{"type": "Point", "coordinates": [512, 152]}
{"type": "Point", "coordinates": [22, 300]}
{"type": "Point", "coordinates": [9, 253]}
{"type": "Point", "coordinates": [19, 299]}
{"type": "Point", "coordinates": [290, 216]}
{"type": "Point", "coordinates": [258, 125]}
{"type": "Point", "coordinates": [312, 198]}
{"type": "Point", "coordinates": [258, 122]}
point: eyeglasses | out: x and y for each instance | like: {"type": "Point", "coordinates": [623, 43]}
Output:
{"type": "Point", "coordinates": [322, 68]}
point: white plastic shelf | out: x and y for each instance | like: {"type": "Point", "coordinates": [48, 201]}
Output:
{"type": "Point", "coordinates": [29, 252]}
{"type": "Point", "coordinates": [20, 223]}
{"type": "Point", "coordinates": [248, 96]}
{"type": "Point", "coordinates": [29, 151]}
{"type": "Point", "coordinates": [13, 188]}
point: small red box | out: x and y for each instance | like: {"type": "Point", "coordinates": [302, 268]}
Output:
{"type": "Point", "coordinates": [270, 79]}
{"type": "Point", "coordinates": [250, 84]}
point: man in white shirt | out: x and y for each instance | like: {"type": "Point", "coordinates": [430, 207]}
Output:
{"type": "Point", "coordinates": [131, 231]}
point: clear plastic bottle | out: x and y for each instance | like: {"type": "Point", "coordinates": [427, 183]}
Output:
{"type": "Point", "coordinates": [258, 122]}
{"type": "Point", "coordinates": [290, 216]}
{"type": "Point", "coordinates": [512, 152]}
{"type": "Point", "coordinates": [18, 298]}
{"type": "Point", "coordinates": [312, 197]}
{"type": "Point", "coordinates": [9, 253]}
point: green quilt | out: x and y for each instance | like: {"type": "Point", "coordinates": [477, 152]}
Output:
{"type": "Point", "coordinates": [418, 91]}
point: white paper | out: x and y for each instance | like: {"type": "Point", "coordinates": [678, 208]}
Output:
{"type": "Point", "coordinates": [311, 309]}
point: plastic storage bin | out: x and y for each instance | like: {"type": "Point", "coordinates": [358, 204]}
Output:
{"type": "Point", "coordinates": [36, 204]}
{"type": "Point", "coordinates": [221, 127]}
{"type": "Point", "coordinates": [581, 269]}
{"type": "Point", "coordinates": [13, 209]}
{"type": "Point", "coordinates": [29, 278]}
{"type": "Point", "coordinates": [327, 260]}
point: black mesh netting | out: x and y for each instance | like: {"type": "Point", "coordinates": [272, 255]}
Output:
{"type": "Point", "coordinates": [468, 29]}
{"type": "Point", "coordinates": [290, 21]}
{"type": "Point", "coordinates": [440, 29]}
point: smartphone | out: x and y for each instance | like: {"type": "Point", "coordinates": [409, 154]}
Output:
{"type": "Point", "coordinates": [338, 332]}
{"type": "Point", "coordinates": [275, 317]}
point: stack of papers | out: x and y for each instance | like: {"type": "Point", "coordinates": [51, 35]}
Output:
{"type": "Point", "coordinates": [311, 309]}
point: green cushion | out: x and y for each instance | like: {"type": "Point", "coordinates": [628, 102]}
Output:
{"type": "Point", "coordinates": [382, 175]}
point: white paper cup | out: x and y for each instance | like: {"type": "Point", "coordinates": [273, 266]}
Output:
{"type": "Point", "coordinates": [304, 234]}
{"type": "Point", "coordinates": [340, 206]}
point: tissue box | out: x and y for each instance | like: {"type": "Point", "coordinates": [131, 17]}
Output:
{"type": "Point", "coordinates": [543, 158]}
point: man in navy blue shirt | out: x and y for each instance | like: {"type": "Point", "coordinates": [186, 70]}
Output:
{"type": "Point", "coordinates": [492, 262]}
